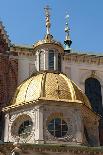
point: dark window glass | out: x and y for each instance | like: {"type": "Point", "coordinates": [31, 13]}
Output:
{"type": "Point", "coordinates": [86, 135]}
{"type": "Point", "coordinates": [58, 127]}
{"type": "Point", "coordinates": [93, 92]}
{"type": "Point", "coordinates": [25, 129]}
{"type": "Point", "coordinates": [51, 60]}
{"type": "Point", "coordinates": [64, 133]}
{"type": "Point", "coordinates": [59, 62]}
{"type": "Point", "coordinates": [41, 60]}
{"type": "Point", "coordinates": [51, 127]}
{"type": "Point", "coordinates": [16, 153]}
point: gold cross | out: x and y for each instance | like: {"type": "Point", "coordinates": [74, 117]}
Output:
{"type": "Point", "coordinates": [47, 10]}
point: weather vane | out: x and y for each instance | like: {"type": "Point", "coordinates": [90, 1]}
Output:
{"type": "Point", "coordinates": [47, 16]}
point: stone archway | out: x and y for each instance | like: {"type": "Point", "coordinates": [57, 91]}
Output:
{"type": "Point", "coordinates": [93, 92]}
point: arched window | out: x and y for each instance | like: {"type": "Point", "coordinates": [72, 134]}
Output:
{"type": "Point", "coordinates": [93, 92]}
{"type": "Point", "coordinates": [51, 60]}
{"type": "Point", "coordinates": [41, 60]}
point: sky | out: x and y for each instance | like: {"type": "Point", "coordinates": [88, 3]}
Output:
{"type": "Point", "coordinates": [24, 21]}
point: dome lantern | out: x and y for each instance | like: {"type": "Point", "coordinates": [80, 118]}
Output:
{"type": "Point", "coordinates": [48, 51]}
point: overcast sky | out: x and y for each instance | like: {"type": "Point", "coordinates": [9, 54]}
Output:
{"type": "Point", "coordinates": [24, 21]}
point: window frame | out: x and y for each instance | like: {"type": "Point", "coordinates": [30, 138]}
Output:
{"type": "Point", "coordinates": [57, 125]}
{"type": "Point", "coordinates": [51, 62]}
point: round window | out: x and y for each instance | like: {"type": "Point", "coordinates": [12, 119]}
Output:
{"type": "Point", "coordinates": [57, 127]}
{"type": "Point", "coordinates": [25, 129]}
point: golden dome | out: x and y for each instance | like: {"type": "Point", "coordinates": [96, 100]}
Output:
{"type": "Point", "coordinates": [49, 85]}
{"type": "Point", "coordinates": [48, 39]}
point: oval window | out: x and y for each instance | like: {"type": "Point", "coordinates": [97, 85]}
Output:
{"type": "Point", "coordinates": [25, 129]}
{"type": "Point", "coordinates": [58, 127]}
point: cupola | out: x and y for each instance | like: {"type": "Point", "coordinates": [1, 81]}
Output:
{"type": "Point", "coordinates": [48, 51]}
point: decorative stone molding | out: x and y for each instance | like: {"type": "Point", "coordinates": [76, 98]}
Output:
{"type": "Point", "coordinates": [68, 116]}
{"type": "Point", "coordinates": [22, 50]}
{"type": "Point", "coordinates": [88, 74]}
{"type": "Point", "coordinates": [14, 124]}
{"type": "Point", "coordinates": [84, 58]}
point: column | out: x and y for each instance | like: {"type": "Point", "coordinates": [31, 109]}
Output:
{"type": "Point", "coordinates": [6, 131]}
{"type": "Point", "coordinates": [55, 61]}
{"type": "Point", "coordinates": [44, 60]}
{"type": "Point", "coordinates": [39, 126]}
{"type": "Point", "coordinates": [37, 61]}
{"type": "Point", "coordinates": [78, 127]}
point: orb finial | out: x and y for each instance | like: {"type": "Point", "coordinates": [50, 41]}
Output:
{"type": "Point", "coordinates": [67, 41]}
{"type": "Point", "coordinates": [47, 16]}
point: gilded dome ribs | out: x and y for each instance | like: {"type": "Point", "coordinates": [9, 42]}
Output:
{"type": "Point", "coordinates": [70, 91]}
{"type": "Point", "coordinates": [42, 94]}
{"type": "Point", "coordinates": [58, 89]}
{"type": "Point", "coordinates": [49, 86]}
{"type": "Point", "coordinates": [27, 89]}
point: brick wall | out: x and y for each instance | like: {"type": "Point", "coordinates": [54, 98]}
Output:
{"type": "Point", "coordinates": [8, 79]}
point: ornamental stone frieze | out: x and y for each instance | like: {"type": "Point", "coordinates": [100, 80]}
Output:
{"type": "Point", "coordinates": [84, 58]}
{"type": "Point", "coordinates": [53, 112]}
{"type": "Point", "coordinates": [85, 74]}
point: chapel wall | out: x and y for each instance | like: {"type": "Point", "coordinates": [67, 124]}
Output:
{"type": "Point", "coordinates": [72, 116]}
{"type": "Point", "coordinates": [8, 78]}
{"type": "Point", "coordinates": [80, 71]}
{"type": "Point", "coordinates": [26, 67]}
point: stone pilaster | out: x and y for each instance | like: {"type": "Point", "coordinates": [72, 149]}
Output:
{"type": "Point", "coordinates": [6, 132]}
{"type": "Point", "coordinates": [39, 126]}
{"type": "Point", "coordinates": [78, 127]}
{"type": "Point", "coordinates": [55, 63]}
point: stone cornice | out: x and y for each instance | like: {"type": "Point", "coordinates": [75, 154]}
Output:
{"type": "Point", "coordinates": [63, 148]}
{"type": "Point", "coordinates": [43, 101]}
{"type": "Point", "coordinates": [6, 148]}
{"type": "Point", "coordinates": [84, 58]}
{"type": "Point", "coordinates": [22, 50]}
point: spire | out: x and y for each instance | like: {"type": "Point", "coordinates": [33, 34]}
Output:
{"type": "Point", "coordinates": [47, 17]}
{"type": "Point", "coordinates": [67, 41]}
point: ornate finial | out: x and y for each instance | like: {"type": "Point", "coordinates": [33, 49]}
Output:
{"type": "Point", "coordinates": [47, 16]}
{"type": "Point", "coordinates": [67, 29]}
{"type": "Point", "coordinates": [93, 73]}
{"type": "Point", "coordinates": [67, 41]}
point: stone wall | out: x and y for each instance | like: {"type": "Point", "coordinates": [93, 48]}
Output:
{"type": "Point", "coordinates": [8, 79]}
{"type": "Point", "coordinates": [8, 84]}
{"type": "Point", "coordinates": [32, 149]}
{"type": "Point", "coordinates": [79, 69]}
{"type": "Point", "coordinates": [71, 115]}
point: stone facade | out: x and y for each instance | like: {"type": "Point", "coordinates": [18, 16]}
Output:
{"type": "Point", "coordinates": [76, 68]}
{"type": "Point", "coordinates": [80, 67]}
{"type": "Point", "coordinates": [8, 74]}
{"type": "Point", "coordinates": [23, 149]}
{"type": "Point", "coordinates": [8, 69]}
{"type": "Point", "coordinates": [8, 79]}
{"type": "Point", "coordinates": [41, 115]}
{"type": "Point", "coordinates": [35, 122]}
